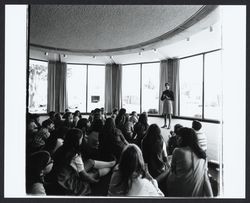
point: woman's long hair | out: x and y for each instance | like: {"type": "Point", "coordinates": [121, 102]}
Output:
{"type": "Point", "coordinates": [143, 119]}
{"type": "Point", "coordinates": [71, 145]}
{"type": "Point", "coordinates": [120, 118]}
{"type": "Point", "coordinates": [153, 141]}
{"type": "Point", "coordinates": [152, 148]}
{"type": "Point", "coordinates": [189, 138]}
{"type": "Point", "coordinates": [131, 166]}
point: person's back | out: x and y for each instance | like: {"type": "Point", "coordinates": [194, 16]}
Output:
{"type": "Point", "coordinates": [130, 177]}
{"type": "Point", "coordinates": [187, 174]}
{"type": "Point", "coordinates": [140, 186]}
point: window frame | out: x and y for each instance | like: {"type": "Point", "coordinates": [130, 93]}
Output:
{"type": "Point", "coordinates": [203, 88]}
{"type": "Point", "coordinates": [140, 69]}
{"type": "Point", "coordinates": [27, 83]}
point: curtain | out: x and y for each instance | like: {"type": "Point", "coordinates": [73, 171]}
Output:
{"type": "Point", "coordinates": [113, 82]}
{"type": "Point", "coordinates": [108, 88]}
{"type": "Point", "coordinates": [51, 90]}
{"type": "Point", "coordinates": [61, 79]}
{"type": "Point", "coordinates": [176, 86]}
{"type": "Point", "coordinates": [117, 85]}
{"type": "Point", "coordinates": [57, 78]}
{"type": "Point", "coordinates": [163, 80]}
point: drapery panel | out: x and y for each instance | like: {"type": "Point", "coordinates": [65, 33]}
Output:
{"type": "Point", "coordinates": [113, 82]}
{"type": "Point", "coordinates": [57, 94]}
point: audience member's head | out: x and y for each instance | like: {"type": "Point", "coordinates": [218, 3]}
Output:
{"type": "Point", "coordinates": [177, 127]}
{"type": "Point", "coordinates": [73, 139]}
{"type": "Point", "coordinates": [52, 115]}
{"type": "Point", "coordinates": [186, 137]}
{"type": "Point", "coordinates": [131, 165]}
{"type": "Point", "coordinates": [97, 114]}
{"type": "Point", "coordinates": [83, 124]}
{"type": "Point", "coordinates": [115, 111]}
{"type": "Point", "coordinates": [96, 126]}
{"type": "Point", "coordinates": [109, 126]}
{"type": "Point", "coordinates": [39, 164]}
{"type": "Point", "coordinates": [58, 116]}
{"type": "Point", "coordinates": [77, 113]}
{"type": "Point", "coordinates": [143, 118]}
{"type": "Point", "coordinates": [196, 125]}
{"type": "Point", "coordinates": [68, 117]}
{"type": "Point", "coordinates": [49, 124]}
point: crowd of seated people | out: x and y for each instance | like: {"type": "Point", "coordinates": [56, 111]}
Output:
{"type": "Point", "coordinates": [71, 155]}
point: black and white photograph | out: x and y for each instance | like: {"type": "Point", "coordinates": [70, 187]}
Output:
{"type": "Point", "coordinates": [126, 101]}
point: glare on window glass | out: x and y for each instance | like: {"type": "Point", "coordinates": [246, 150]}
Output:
{"type": "Point", "coordinates": [191, 86]}
{"type": "Point", "coordinates": [96, 87]}
{"type": "Point", "coordinates": [38, 81]}
{"type": "Point", "coordinates": [212, 86]}
{"type": "Point", "coordinates": [150, 88]}
{"type": "Point", "coordinates": [131, 88]}
{"type": "Point", "coordinates": [76, 87]}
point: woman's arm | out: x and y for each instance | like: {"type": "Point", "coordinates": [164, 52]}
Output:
{"type": "Point", "coordinates": [163, 96]}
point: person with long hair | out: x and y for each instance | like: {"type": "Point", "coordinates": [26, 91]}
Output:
{"type": "Point", "coordinates": [130, 178]}
{"type": "Point", "coordinates": [188, 175]}
{"type": "Point", "coordinates": [140, 128]}
{"type": "Point", "coordinates": [154, 152]}
{"type": "Point", "coordinates": [120, 118]}
{"type": "Point", "coordinates": [112, 141]}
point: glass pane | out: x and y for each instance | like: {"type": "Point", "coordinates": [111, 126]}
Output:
{"type": "Point", "coordinates": [76, 87]}
{"type": "Point", "coordinates": [150, 88]}
{"type": "Point", "coordinates": [131, 88]}
{"type": "Point", "coordinates": [191, 86]}
{"type": "Point", "coordinates": [212, 86]}
{"type": "Point", "coordinates": [38, 81]}
{"type": "Point", "coordinates": [96, 87]}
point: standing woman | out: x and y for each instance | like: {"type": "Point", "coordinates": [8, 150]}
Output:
{"type": "Point", "coordinates": [167, 97]}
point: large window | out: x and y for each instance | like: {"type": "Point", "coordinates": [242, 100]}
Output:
{"type": "Point", "coordinates": [140, 88]}
{"type": "Point", "coordinates": [76, 87]}
{"type": "Point", "coordinates": [150, 88]}
{"type": "Point", "coordinates": [212, 86]}
{"type": "Point", "coordinates": [191, 72]}
{"type": "Point", "coordinates": [131, 88]}
{"type": "Point", "coordinates": [38, 82]}
{"type": "Point", "coordinates": [96, 87]}
{"type": "Point", "coordinates": [200, 86]}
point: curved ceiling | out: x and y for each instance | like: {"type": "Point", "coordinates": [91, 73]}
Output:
{"type": "Point", "coordinates": [92, 29]}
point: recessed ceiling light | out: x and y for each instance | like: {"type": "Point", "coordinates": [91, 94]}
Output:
{"type": "Point", "coordinates": [211, 29]}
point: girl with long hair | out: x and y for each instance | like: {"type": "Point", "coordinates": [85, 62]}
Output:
{"type": "Point", "coordinates": [154, 151]}
{"type": "Point", "coordinates": [131, 178]}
